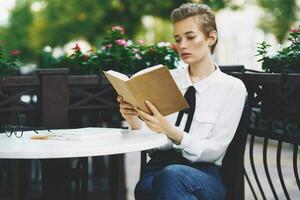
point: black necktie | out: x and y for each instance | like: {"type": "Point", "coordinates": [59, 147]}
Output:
{"type": "Point", "coordinates": [191, 100]}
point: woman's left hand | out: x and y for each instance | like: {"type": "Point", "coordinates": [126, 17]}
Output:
{"type": "Point", "coordinates": [158, 123]}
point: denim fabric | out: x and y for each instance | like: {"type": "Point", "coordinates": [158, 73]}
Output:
{"type": "Point", "coordinates": [169, 176]}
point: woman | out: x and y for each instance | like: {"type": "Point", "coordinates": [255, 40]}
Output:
{"type": "Point", "coordinates": [188, 166]}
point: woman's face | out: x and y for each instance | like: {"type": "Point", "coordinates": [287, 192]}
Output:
{"type": "Point", "coordinates": [191, 43]}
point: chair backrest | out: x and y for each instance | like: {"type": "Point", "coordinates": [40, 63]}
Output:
{"type": "Point", "coordinates": [232, 170]}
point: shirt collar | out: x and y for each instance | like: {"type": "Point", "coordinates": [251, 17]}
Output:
{"type": "Point", "coordinates": [203, 83]}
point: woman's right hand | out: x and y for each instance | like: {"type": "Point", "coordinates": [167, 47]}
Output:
{"type": "Point", "coordinates": [127, 110]}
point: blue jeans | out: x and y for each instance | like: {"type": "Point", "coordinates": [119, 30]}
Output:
{"type": "Point", "coordinates": [170, 177]}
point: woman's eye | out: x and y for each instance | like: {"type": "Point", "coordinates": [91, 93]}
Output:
{"type": "Point", "coordinates": [177, 40]}
{"type": "Point", "coordinates": [190, 38]}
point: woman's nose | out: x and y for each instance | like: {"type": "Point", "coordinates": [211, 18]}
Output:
{"type": "Point", "coordinates": [183, 44]}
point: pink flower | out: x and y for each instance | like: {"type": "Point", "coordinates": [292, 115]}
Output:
{"type": "Point", "coordinates": [121, 42]}
{"type": "Point", "coordinates": [15, 52]}
{"type": "Point", "coordinates": [108, 46]}
{"type": "Point", "coordinates": [295, 30]}
{"type": "Point", "coordinates": [76, 48]}
{"type": "Point", "coordinates": [141, 42]}
{"type": "Point", "coordinates": [118, 28]}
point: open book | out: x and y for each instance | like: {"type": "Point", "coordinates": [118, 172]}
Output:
{"type": "Point", "coordinates": [154, 84]}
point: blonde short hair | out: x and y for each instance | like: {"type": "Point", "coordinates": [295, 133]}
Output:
{"type": "Point", "coordinates": [203, 14]}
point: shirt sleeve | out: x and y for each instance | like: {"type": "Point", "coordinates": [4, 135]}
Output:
{"type": "Point", "coordinates": [213, 148]}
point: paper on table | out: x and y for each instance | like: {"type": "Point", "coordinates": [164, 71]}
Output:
{"type": "Point", "coordinates": [80, 134]}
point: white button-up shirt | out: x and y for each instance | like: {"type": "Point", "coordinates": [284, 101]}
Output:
{"type": "Point", "coordinates": [220, 100]}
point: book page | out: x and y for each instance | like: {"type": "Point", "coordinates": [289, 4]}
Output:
{"type": "Point", "coordinates": [121, 88]}
{"type": "Point", "coordinates": [118, 75]}
{"type": "Point", "coordinates": [146, 70]}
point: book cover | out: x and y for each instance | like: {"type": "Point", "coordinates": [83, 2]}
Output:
{"type": "Point", "coordinates": [154, 84]}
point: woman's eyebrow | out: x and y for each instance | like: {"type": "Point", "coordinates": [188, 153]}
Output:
{"type": "Point", "coordinates": [189, 32]}
{"type": "Point", "coordinates": [186, 33]}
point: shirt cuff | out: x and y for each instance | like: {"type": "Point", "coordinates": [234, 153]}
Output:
{"type": "Point", "coordinates": [186, 138]}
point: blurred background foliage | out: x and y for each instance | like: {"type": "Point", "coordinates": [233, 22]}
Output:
{"type": "Point", "coordinates": [279, 17]}
{"type": "Point", "coordinates": [35, 24]}
{"type": "Point", "coordinates": [116, 52]}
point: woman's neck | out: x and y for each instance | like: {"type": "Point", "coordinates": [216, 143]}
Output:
{"type": "Point", "coordinates": [201, 70]}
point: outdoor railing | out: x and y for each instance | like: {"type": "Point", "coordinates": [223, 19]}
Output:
{"type": "Point", "coordinates": [275, 122]}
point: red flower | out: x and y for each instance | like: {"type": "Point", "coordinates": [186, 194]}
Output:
{"type": "Point", "coordinates": [76, 48]}
{"type": "Point", "coordinates": [85, 57]}
{"type": "Point", "coordinates": [173, 46]}
{"type": "Point", "coordinates": [118, 28]}
{"type": "Point", "coordinates": [15, 52]}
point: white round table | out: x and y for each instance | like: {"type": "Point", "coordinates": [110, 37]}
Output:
{"type": "Point", "coordinates": [121, 141]}
{"type": "Point", "coordinates": [109, 141]}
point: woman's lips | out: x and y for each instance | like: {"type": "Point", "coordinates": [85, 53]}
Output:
{"type": "Point", "coordinates": [184, 55]}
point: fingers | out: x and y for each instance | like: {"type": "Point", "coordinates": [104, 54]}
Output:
{"type": "Point", "coordinates": [152, 108]}
{"type": "Point", "coordinates": [155, 122]}
{"type": "Point", "coordinates": [128, 112]}
{"type": "Point", "coordinates": [145, 116]}
{"type": "Point", "coordinates": [119, 99]}
{"type": "Point", "coordinates": [143, 119]}
{"type": "Point", "coordinates": [124, 104]}
{"type": "Point", "coordinates": [126, 109]}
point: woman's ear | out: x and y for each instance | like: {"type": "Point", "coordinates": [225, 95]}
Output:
{"type": "Point", "coordinates": [213, 36]}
